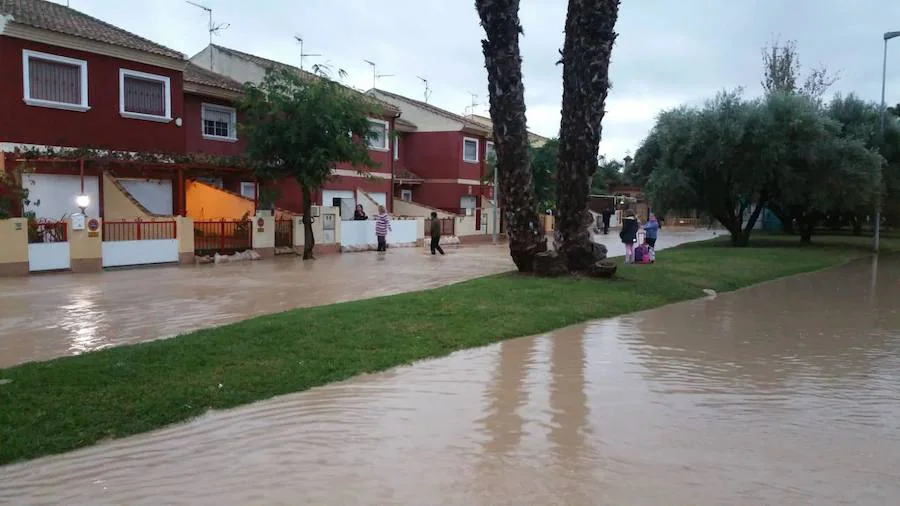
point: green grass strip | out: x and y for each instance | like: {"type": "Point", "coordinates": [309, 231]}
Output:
{"type": "Point", "coordinates": [68, 403]}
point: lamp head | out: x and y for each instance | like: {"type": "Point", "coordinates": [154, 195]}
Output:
{"type": "Point", "coordinates": [82, 201]}
{"type": "Point", "coordinates": [891, 35]}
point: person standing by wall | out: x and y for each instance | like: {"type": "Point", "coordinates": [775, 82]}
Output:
{"type": "Point", "coordinates": [436, 234]}
{"type": "Point", "coordinates": [360, 213]}
{"type": "Point", "coordinates": [607, 215]}
{"type": "Point", "coordinates": [382, 226]}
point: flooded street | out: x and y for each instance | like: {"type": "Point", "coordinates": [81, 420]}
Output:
{"type": "Point", "coordinates": [784, 393]}
{"type": "Point", "coordinates": [53, 315]}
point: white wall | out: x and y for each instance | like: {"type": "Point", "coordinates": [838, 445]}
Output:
{"type": "Point", "coordinates": [119, 253]}
{"type": "Point", "coordinates": [154, 194]}
{"type": "Point", "coordinates": [57, 193]}
{"type": "Point", "coordinates": [48, 256]}
{"type": "Point", "coordinates": [348, 201]}
{"type": "Point", "coordinates": [362, 233]}
{"type": "Point", "coordinates": [379, 198]}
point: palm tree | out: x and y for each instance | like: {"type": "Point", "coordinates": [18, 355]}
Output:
{"type": "Point", "coordinates": [502, 58]}
{"type": "Point", "coordinates": [590, 35]}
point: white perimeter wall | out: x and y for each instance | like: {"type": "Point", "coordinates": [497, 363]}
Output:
{"type": "Point", "coordinates": [362, 233]}
{"type": "Point", "coordinates": [48, 256]}
{"type": "Point", "coordinates": [154, 194]}
{"type": "Point", "coordinates": [57, 193]}
{"type": "Point", "coordinates": [120, 253]}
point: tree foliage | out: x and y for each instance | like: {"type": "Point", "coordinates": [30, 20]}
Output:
{"type": "Point", "coordinates": [732, 158]}
{"type": "Point", "coordinates": [302, 127]}
{"type": "Point", "coordinates": [543, 173]}
{"type": "Point", "coordinates": [781, 72]}
{"type": "Point", "coordinates": [609, 173]}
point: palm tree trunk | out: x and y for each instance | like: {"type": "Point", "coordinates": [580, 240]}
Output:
{"type": "Point", "coordinates": [309, 239]}
{"type": "Point", "coordinates": [500, 19]}
{"type": "Point", "coordinates": [590, 35]}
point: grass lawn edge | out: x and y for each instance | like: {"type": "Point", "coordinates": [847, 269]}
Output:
{"type": "Point", "coordinates": [72, 402]}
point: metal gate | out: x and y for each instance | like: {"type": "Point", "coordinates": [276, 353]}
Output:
{"type": "Point", "coordinates": [284, 233]}
{"type": "Point", "coordinates": [224, 237]}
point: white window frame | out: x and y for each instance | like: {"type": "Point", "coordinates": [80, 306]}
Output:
{"type": "Point", "coordinates": [406, 195]}
{"type": "Point", "coordinates": [27, 54]}
{"type": "Point", "coordinates": [488, 147]}
{"type": "Point", "coordinates": [123, 73]}
{"type": "Point", "coordinates": [248, 184]}
{"type": "Point", "coordinates": [387, 132]}
{"type": "Point", "coordinates": [396, 146]}
{"type": "Point", "coordinates": [232, 127]}
{"type": "Point", "coordinates": [477, 146]}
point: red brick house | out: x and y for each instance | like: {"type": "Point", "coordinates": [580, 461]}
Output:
{"type": "Point", "coordinates": [341, 191]}
{"type": "Point", "coordinates": [73, 82]}
{"type": "Point", "coordinates": [443, 159]}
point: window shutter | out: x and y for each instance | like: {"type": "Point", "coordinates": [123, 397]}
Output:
{"type": "Point", "coordinates": [145, 96]}
{"type": "Point", "coordinates": [54, 81]}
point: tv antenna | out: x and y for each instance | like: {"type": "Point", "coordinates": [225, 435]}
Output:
{"type": "Point", "coordinates": [302, 54]}
{"type": "Point", "coordinates": [375, 74]}
{"type": "Point", "coordinates": [427, 88]}
{"type": "Point", "coordinates": [471, 108]}
{"type": "Point", "coordinates": [214, 29]}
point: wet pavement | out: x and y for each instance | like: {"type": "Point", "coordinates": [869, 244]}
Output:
{"type": "Point", "coordinates": [51, 315]}
{"type": "Point", "coordinates": [784, 393]}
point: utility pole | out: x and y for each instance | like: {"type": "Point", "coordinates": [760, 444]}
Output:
{"type": "Point", "coordinates": [213, 28]}
{"type": "Point", "coordinates": [302, 54]}
{"type": "Point", "coordinates": [427, 88]}
{"type": "Point", "coordinates": [375, 74]}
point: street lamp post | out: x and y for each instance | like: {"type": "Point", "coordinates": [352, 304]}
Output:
{"type": "Point", "coordinates": [887, 36]}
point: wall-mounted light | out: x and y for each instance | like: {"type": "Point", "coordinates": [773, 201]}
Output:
{"type": "Point", "coordinates": [82, 201]}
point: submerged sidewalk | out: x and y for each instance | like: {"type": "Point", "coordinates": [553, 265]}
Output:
{"type": "Point", "coordinates": [55, 315]}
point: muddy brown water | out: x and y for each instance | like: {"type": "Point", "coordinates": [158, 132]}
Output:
{"type": "Point", "coordinates": [784, 393]}
{"type": "Point", "coordinates": [53, 315]}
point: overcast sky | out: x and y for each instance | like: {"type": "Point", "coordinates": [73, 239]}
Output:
{"type": "Point", "coordinates": [668, 52]}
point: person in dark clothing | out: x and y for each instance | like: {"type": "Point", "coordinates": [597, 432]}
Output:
{"type": "Point", "coordinates": [628, 234]}
{"type": "Point", "coordinates": [436, 234]}
{"type": "Point", "coordinates": [359, 214]}
{"type": "Point", "coordinates": [607, 214]}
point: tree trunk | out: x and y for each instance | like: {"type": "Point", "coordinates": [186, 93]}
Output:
{"type": "Point", "coordinates": [590, 35]}
{"type": "Point", "coordinates": [747, 230]}
{"type": "Point", "coordinates": [500, 19]}
{"type": "Point", "coordinates": [309, 240]}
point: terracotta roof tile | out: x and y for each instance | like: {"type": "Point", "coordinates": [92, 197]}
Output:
{"type": "Point", "coordinates": [199, 75]}
{"type": "Point", "coordinates": [59, 18]}
{"type": "Point", "coordinates": [407, 174]}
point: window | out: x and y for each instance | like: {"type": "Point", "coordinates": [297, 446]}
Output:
{"type": "Point", "coordinates": [470, 150]}
{"type": "Point", "coordinates": [396, 147]}
{"type": "Point", "coordinates": [406, 195]}
{"type": "Point", "coordinates": [54, 81]}
{"type": "Point", "coordinates": [490, 154]}
{"type": "Point", "coordinates": [144, 96]}
{"type": "Point", "coordinates": [219, 122]}
{"type": "Point", "coordinates": [378, 134]}
{"type": "Point", "coordinates": [248, 189]}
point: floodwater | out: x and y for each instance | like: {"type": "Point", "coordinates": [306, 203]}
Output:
{"type": "Point", "coordinates": [784, 393]}
{"type": "Point", "coordinates": [53, 315]}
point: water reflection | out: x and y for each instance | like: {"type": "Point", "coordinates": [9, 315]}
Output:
{"type": "Point", "coordinates": [786, 393]}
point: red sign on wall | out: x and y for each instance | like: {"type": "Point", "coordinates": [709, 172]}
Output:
{"type": "Point", "coordinates": [260, 222]}
{"type": "Point", "coordinates": [93, 225]}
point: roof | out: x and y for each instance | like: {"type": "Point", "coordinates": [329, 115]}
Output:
{"type": "Point", "coordinates": [272, 64]}
{"type": "Point", "coordinates": [533, 138]}
{"type": "Point", "coordinates": [407, 175]}
{"type": "Point", "coordinates": [199, 75]}
{"type": "Point", "coordinates": [61, 19]}
{"type": "Point", "coordinates": [433, 109]}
